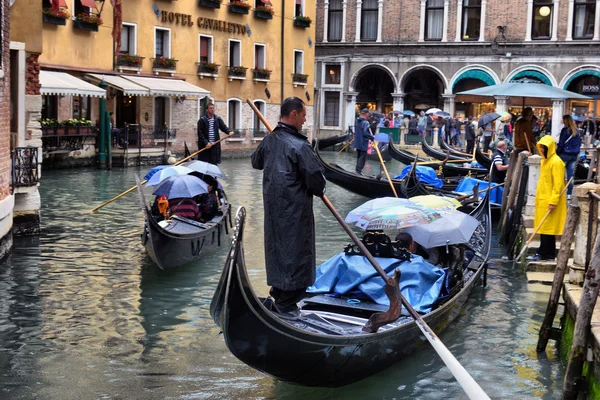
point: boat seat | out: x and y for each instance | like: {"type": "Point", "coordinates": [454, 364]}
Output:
{"type": "Point", "coordinates": [335, 302]}
{"type": "Point", "coordinates": [191, 222]}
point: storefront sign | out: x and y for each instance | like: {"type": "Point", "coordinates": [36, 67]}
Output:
{"type": "Point", "coordinates": [591, 88]}
{"type": "Point", "coordinates": [204, 23]}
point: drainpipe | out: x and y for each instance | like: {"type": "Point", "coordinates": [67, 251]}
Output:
{"type": "Point", "coordinates": [282, 49]}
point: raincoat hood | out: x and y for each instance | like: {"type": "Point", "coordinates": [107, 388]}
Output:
{"type": "Point", "coordinates": [549, 142]}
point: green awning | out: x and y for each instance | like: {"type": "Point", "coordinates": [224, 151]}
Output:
{"type": "Point", "coordinates": [475, 74]}
{"type": "Point", "coordinates": [529, 73]}
{"type": "Point", "coordinates": [580, 74]}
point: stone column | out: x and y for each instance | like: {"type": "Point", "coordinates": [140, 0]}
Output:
{"type": "Point", "coordinates": [582, 233]}
{"type": "Point", "coordinates": [398, 101]}
{"type": "Point", "coordinates": [402, 137]}
{"type": "Point", "coordinates": [422, 22]}
{"type": "Point", "coordinates": [555, 10]}
{"type": "Point", "coordinates": [325, 20]}
{"type": "Point", "coordinates": [597, 22]}
{"type": "Point", "coordinates": [436, 142]}
{"type": "Point", "coordinates": [482, 21]}
{"type": "Point", "coordinates": [528, 21]}
{"type": "Point", "coordinates": [532, 182]}
{"type": "Point", "coordinates": [501, 106]}
{"type": "Point", "coordinates": [570, 20]}
{"type": "Point", "coordinates": [458, 37]}
{"type": "Point", "coordinates": [449, 103]}
{"type": "Point", "coordinates": [344, 6]}
{"type": "Point", "coordinates": [445, 24]}
{"type": "Point", "coordinates": [350, 110]}
{"type": "Point", "coordinates": [379, 19]}
{"type": "Point", "coordinates": [358, 19]}
{"type": "Point", "coordinates": [558, 110]}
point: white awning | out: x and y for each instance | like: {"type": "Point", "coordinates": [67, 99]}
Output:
{"type": "Point", "coordinates": [61, 83]}
{"type": "Point", "coordinates": [126, 86]}
{"type": "Point", "coordinates": [168, 87]}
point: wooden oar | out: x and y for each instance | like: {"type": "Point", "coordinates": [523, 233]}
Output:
{"type": "Point", "coordinates": [466, 196]}
{"type": "Point", "coordinates": [392, 290]}
{"type": "Point", "coordinates": [131, 189]}
{"type": "Point", "coordinates": [541, 223]}
{"type": "Point", "coordinates": [375, 145]}
{"type": "Point", "coordinates": [344, 148]}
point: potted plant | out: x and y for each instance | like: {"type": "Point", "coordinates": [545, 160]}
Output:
{"type": "Point", "coordinates": [239, 7]}
{"type": "Point", "coordinates": [238, 71]}
{"type": "Point", "coordinates": [71, 126]}
{"type": "Point", "coordinates": [209, 3]}
{"type": "Point", "coordinates": [87, 22]}
{"type": "Point", "coordinates": [130, 60]}
{"type": "Point", "coordinates": [48, 126]}
{"type": "Point", "coordinates": [261, 73]}
{"type": "Point", "coordinates": [302, 21]}
{"type": "Point", "coordinates": [299, 78]}
{"type": "Point", "coordinates": [85, 126]}
{"type": "Point", "coordinates": [164, 63]}
{"type": "Point", "coordinates": [55, 17]}
{"type": "Point", "coordinates": [208, 68]}
{"type": "Point", "coordinates": [263, 12]}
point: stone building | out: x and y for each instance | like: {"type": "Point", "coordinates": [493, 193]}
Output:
{"type": "Point", "coordinates": [6, 196]}
{"type": "Point", "coordinates": [416, 54]}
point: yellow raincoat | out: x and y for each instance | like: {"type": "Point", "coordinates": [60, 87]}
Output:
{"type": "Point", "coordinates": [550, 185]}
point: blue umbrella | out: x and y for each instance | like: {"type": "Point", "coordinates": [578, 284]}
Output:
{"type": "Point", "coordinates": [206, 168]}
{"type": "Point", "coordinates": [382, 137]}
{"type": "Point", "coordinates": [164, 173]}
{"type": "Point", "coordinates": [155, 170]}
{"type": "Point", "coordinates": [409, 113]}
{"type": "Point", "coordinates": [181, 187]}
{"type": "Point", "coordinates": [525, 88]}
{"type": "Point", "coordinates": [487, 118]}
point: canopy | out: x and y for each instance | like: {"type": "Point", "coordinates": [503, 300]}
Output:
{"type": "Point", "coordinates": [126, 86]}
{"type": "Point", "coordinates": [61, 83]}
{"type": "Point", "coordinates": [525, 88]}
{"type": "Point", "coordinates": [168, 87]}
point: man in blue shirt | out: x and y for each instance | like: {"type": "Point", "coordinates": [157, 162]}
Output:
{"type": "Point", "coordinates": [362, 136]}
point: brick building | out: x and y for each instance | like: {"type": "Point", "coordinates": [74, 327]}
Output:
{"type": "Point", "coordinates": [416, 54]}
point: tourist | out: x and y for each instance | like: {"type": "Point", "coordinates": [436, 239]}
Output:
{"type": "Point", "coordinates": [422, 123]}
{"type": "Point", "coordinates": [208, 203]}
{"type": "Point", "coordinates": [185, 208]}
{"type": "Point", "coordinates": [523, 133]}
{"type": "Point", "coordinates": [362, 135]}
{"type": "Point", "coordinates": [488, 132]}
{"type": "Point", "coordinates": [412, 126]}
{"type": "Point", "coordinates": [209, 126]}
{"type": "Point", "coordinates": [569, 146]}
{"type": "Point", "coordinates": [470, 135]}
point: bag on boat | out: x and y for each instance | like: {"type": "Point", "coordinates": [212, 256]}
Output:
{"type": "Point", "coordinates": [163, 205]}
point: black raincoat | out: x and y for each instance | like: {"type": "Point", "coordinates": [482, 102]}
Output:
{"type": "Point", "coordinates": [292, 176]}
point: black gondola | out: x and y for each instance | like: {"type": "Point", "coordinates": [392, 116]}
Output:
{"type": "Point", "coordinates": [332, 141]}
{"type": "Point", "coordinates": [182, 240]}
{"type": "Point", "coordinates": [482, 159]}
{"type": "Point", "coordinates": [441, 155]}
{"type": "Point", "coordinates": [325, 345]}
{"type": "Point", "coordinates": [446, 147]}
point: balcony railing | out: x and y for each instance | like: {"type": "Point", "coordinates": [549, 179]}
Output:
{"type": "Point", "coordinates": [207, 69]}
{"type": "Point", "coordinates": [164, 64]}
{"type": "Point", "coordinates": [25, 166]}
{"type": "Point", "coordinates": [261, 74]}
{"type": "Point", "coordinates": [144, 136]}
{"type": "Point", "coordinates": [129, 62]}
{"type": "Point", "coordinates": [236, 72]}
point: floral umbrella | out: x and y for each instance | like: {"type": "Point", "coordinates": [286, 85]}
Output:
{"type": "Point", "coordinates": [397, 217]}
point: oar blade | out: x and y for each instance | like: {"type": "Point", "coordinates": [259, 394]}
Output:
{"type": "Point", "coordinates": [392, 291]}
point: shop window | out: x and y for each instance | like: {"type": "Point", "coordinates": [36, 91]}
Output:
{"type": "Point", "coordinates": [129, 39]}
{"type": "Point", "coordinates": [298, 62]}
{"type": "Point", "coordinates": [259, 56]}
{"type": "Point", "coordinates": [299, 8]}
{"type": "Point", "coordinates": [162, 42]}
{"type": "Point", "coordinates": [333, 74]}
{"type": "Point", "coordinates": [583, 19]}
{"type": "Point", "coordinates": [542, 19]}
{"type": "Point", "coordinates": [81, 107]}
{"type": "Point", "coordinates": [206, 49]}
{"type": "Point", "coordinates": [50, 107]}
{"type": "Point", "coordinates": [235, 53]}
{"type": "Point", "coordinates": [335, 21]}
{"type": "Point", "coordinates": [434, 19]}
{"type": "Point", "coordinates": [331, 109]}
{"type": "Point", "coordinates": [234, 114]}
{"type": "Point", "coordinates": [471, 19]}
{"type": "Point", "coordinates": [257, 125]}
{"type": "Point", "coordinates": [368, 20]}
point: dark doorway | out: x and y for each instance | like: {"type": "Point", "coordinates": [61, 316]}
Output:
{"type": "Point", "coordinates": [126, 110]}
{"type": "Point", "coordinates": [160, 115]}
{"type": "Point", "coordinates": [375, 88]}
{"type": "Point", "coordinates": [423, 90]}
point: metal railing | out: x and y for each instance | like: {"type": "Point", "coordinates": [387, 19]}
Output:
{"type": "Point", "coordinates": [143, 136]}
{"type": "Point", "coordinates": [25, 166]}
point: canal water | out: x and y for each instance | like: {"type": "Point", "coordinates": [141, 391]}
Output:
{"type": "Point", "coordinates": [84, 313]}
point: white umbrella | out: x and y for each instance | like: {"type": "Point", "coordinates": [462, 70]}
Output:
{"type": "Point", "coordinates": [375, 204]}
{"type": "Point", "coordinates": [163, 174]}
{"type": "Point", "coordinates": [453, 228]}
{"type": "Point", "coordinates": [525, 88]}
{"type": "Point", "coordinates": [433, 111]}
{"type": "Point", "coordinates": [206, 168]}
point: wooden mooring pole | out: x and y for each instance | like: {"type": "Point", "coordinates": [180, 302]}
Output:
{"type": "Point", "coordinates": [591, 287]}
{"type": "Point", "coordinates": [510, 194]}
{"type": "Point", "coordinates": [559, 275]}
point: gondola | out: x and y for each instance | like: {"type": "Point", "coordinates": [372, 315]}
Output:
{"type": "Point", "coordinates": [448, 170]}
{"type": "Point", "coordinates": [182, 240]}
{"type": "Point", "coordinates": [441, 155]}
{"type": "Point", "coordinates": [325, 345]}
{"type": "Point", "coordinates": [446, 147]}
{"type": "Point", "coordinates": [482, 159]}
{"type": "Point", "coordinates": [332, 141]}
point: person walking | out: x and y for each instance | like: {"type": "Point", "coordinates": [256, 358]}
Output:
{"type": "Point", "coordinates": [523, 132]}
{"type": "Point", "coordinates": [362, 135]}
{"type": "Point", "coordinates": [292, 175]}
{"type": "Point", "coordinates": [488, 132]}
{"type": "Point", "coordinates": [422, 123]}
{"type": "Point", "coordinates": [470, 135]}
{"type": "Point", "coordinates": [548, 198]}
{"type": "Point", "coordinates": [500, 163]}
{"type": "Point", "coordinates": [412, 126]}
{"type": "Point", "coordinates": [209, 126]}
{"type": "Point", "coordinates": [569, 146]}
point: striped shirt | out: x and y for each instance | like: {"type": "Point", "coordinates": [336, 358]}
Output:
{"type": "Point", "coordinates": [186, 208]}
{"type": "Point", "coordinates": [212, 136]}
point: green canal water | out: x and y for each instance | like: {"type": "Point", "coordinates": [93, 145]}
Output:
{"type": "Point", "coordinates": [84, 313]}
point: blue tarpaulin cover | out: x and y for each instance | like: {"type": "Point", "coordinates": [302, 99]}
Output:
{"type": "Point", "coordinates": [466, 186]}
{"type": "Point", "coordinates": [420, 282]}
{"type": "Point", "coordinates": [425, 174]}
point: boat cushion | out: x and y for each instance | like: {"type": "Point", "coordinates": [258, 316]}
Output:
{"type": "Point", "coordinates": [467, 184]}
{"type": "Point", "coordinates": [425, 174]}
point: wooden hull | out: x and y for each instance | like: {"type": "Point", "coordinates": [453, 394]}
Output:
{"type": "Point", "coordinates": [482, 159]}
{"type": "Point", "coordinates": [331, 141]}
{"type": "Point", "coordinates": [267, 343]}
{"type": "Point", "coordinates": [441, 155]}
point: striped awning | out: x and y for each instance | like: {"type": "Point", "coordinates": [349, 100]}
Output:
{"type": "Point", "coordinates": [168, 87]}
{"type": "Point", "coordinates": [61, 83]}
{"type": "Point", "coordinates": [126, 86]}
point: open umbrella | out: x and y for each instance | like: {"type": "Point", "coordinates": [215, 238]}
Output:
{"type": "Point", "coordinates": [452, 228]}
{"type": "Point", "coordinates": [443, 114]}
{"type": "Point", "coordinates": [154, 170]}
{"type": "Point", "coordinates": [409, 113]}
{"type": "Point", "coordinates": [505, 116]}
{"type": "Point", "coordinates": [376, 113]}
{"type": "Point", "coordinates": [205, 168]}
{"type": "Point", "coordinates": [433, 111]}
{"type": "Point", "coordinates": [164, 173]}
{"type": "Point", "coordinates": [375, 204]}
{"type": "Point", "coordinates": [397, 217]}
{"type": "Point", "coordinates": [181, 187]}
{"type": "Point", "coordinates": [436, 202]}
{"type": "Point", "coordinates": [525, 88]}
{"type": "Point", "coordinates": [487, 118]}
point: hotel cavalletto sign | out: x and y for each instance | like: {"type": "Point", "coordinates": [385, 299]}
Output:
{"type": "Point", "coordinates": [201, 22]}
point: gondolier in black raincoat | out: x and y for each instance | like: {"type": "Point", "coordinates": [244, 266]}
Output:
{"type": "Point", "coordinates": [209, 126]}
{"type": "Point", "coordinates": [292, 176]}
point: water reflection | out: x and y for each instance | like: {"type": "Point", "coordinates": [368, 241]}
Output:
{"type": "Point", "coordinates": [85, 314]}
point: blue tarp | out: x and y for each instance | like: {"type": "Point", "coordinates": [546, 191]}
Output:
{"type": "Point", "coordinates": [466, 186]}
{"type": "Point", "coordinates": [420, 282]}
{"type": "Point", "coordinates": [425, 174]}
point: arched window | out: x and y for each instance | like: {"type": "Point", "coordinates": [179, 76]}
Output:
{"type": "Point", "coordinates": [434, 19]}
{"type": "Point", "coordinates": [471, 19]}
{"type": "Point", "coordinates": [335, 20]}
{"type": "Point", "coordinates": [234, 114]}
{"type": "Point", "coordinates": [369, 17]}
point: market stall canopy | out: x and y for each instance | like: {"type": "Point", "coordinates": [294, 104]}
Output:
{"type": "Point", "coordinates": [61, 83]}
{"type": "Point", "coordinates": [126, 86]}
{"type": "Point", "coordinates": [168, 87]}
{"type": "Point", "coordinates": [526, 88]}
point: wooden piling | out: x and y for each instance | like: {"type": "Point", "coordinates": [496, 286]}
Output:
{"type": "Point", "coordinates": [587, 302]}
{"type": "Point", "coordinates": [559, 275]}
{"type": "Point", "coordinates": [514, 190]}
{"type": "Point", "coordinates": [512, 162]}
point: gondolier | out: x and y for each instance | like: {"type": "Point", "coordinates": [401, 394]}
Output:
{"type": "Point", "coordinates": [362, 135]}
{"type": "Point", "coordinates": [209, 126]}
{"type": "Point", "coordinates": [292, 176]}
{"type": "Point", "coordinates": [500, 161]}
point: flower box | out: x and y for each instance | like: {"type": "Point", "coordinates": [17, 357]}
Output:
{"type": "Point", "coordinates": [302, 22]}
{"type": "Point", "coordinates": [261, 74]}
{"type": "Point", "coordinates": [85, 26]}
{"type": "Point", "coordinates": [87, 22]}
{"type": "Point", "coordinates": [85, 130]}
{"type": "Point", "coordinates": [239, 7]}
{"type": "Point", "coordinates": [237, 72]}
{"type": "Point", "coordinates": [58, 17]}
{"type": "Point", "coordinates": [207, 69]}
{"type": "Point", "coordinates": [300, 78]}
{"type": "Point", "coordinates": [52, 19]}
{"type": "Point", "coordinates": [129, 62]}
{"type": "Point", "coordinates": [59, 130]}
{"type": "Point", "coordinates": [209, 3]}
{"type": "Point", "coordinates": [263, 12]}
{"type": "Point", "coordinates": [72, 130]}
{"type": "Point", "coordinates": [48, 130]}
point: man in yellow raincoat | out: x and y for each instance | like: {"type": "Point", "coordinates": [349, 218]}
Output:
{"type": "Point", "coordinates": [548, 198]}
